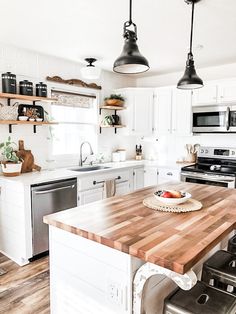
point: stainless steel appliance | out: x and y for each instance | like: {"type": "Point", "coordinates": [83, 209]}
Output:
{"type": "Point", "coordinates": [215, 166]}
{"type": "Point", "coordinates": [49, 198]}
{"type": "Point", "coordinates": [214, 119]}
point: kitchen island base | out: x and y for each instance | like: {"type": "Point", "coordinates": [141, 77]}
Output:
{"type": "Point", "coordinates": [88, 277]}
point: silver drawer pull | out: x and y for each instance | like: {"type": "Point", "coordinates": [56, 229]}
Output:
{"type": "Point", "coordinates": [54, 190]}
{"type": "Point", "coordinates": [169, 173]}
{"type": "Point", "coordinates": [99, 182]}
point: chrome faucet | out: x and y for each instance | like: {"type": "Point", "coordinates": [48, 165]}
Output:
{"type": "Point", "coordinates": [81, 161]}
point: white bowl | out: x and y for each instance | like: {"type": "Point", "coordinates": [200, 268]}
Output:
{"type": "Point", "coordinates": [23, 118]}
{"type": "Point", "coordinates": [172, 201]}
{"type": "Point", "coordinates": [39, 119]}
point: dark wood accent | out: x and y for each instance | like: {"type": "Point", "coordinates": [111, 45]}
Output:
{"type": "Point", "coordinates": [174, 241]}
{"type": "Point", "coordinates": [24, 289]}
{"type": "Point", "coordinates": [77, 82]}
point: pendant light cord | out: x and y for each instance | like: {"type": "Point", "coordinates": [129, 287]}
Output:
{"type": "Point", "coordinates": [191, 35]}
{"type": "Point", "coordinates": [130, 12]}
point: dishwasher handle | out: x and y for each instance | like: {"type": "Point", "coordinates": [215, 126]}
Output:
{"type": "Point", "coordinates": [55, 190]}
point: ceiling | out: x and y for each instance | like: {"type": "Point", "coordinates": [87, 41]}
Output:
{"type": "Point", "coordinates": [75, 29]}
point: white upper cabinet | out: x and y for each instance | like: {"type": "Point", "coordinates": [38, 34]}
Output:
{"type": "Point", "coordinates": [172, 111]}
{"type": "Point", "coordinates": [162, 111]}
{"type": "Point", "coordinates": [181, 112]}
{"type": "Point", "coordinates": [205, 95]}
{"type": "Point", "coordinates": [227, 91]}
{"type": "Point", "coordinates": [138, 117]}
{"type": "Point", "coordinates": [215, 92]}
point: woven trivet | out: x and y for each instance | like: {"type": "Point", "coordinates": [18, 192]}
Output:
{"type": "Point", "coordinates": [189, 206]}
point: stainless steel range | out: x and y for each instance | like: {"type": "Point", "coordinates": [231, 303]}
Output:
{"type": "Point", "coordinates": [215, 166]}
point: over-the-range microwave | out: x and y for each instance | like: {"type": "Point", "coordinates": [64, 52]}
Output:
{"type": "Point", "coordinates": [214, 119]}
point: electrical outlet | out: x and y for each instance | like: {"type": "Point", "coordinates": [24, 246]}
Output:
{"type": "Point", "coordinates": [115, 293]}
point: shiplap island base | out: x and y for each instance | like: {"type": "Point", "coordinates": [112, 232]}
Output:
{"type": "Point", "coordinates": [117, 256]}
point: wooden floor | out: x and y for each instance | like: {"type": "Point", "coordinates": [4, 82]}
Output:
{"type": "Point", "coordinates": [24, 290]}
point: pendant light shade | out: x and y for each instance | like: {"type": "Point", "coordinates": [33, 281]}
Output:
{"type": "Point", "coordinates": [190, 80]}
{"type": "Point", "coordinates": [90, 72]}
{"type": "Point", "coordinates": [130, 61]}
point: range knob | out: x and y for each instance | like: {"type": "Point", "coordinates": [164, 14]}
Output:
{"type": "Point", "coordinates": [206, 151]}
{"type": "Point", "coordinates": [202, 151]}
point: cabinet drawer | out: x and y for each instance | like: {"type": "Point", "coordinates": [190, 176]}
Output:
{"type": "Point", "coordinates": [169, 174]}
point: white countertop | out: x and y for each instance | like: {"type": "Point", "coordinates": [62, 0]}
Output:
{"type": "Point", "coordinates": [66, 173]}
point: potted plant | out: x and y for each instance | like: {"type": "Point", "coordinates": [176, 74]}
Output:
{"type": "Point", "coordinates": [11, 164]}
{"type": "Point", "coordinates": [114, 100]}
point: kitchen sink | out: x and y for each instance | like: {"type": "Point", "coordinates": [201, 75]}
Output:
{"type": "Point", "coordinates": [92, 168]}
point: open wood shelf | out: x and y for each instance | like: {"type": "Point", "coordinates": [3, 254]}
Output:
{"type": "Point", "coordinates": [115, 127]}
{"type": "Point", "coordinates": [28, 98]}
{"type": "Point", "coordinates": [112, 107]}
{"type": "Point", "coordinates": [26, 122]}
{"type": "Point", "coordinates": [34, 123]}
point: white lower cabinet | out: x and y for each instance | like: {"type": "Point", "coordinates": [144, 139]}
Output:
{"type": "Point", "coordinates": [138, 178]}
{"type": "Point", "coordinates": [150, 176]}
{"type": "Point", "coordinates": [89, 196]}
{"type": "Point", "coordinates": [122, 188]}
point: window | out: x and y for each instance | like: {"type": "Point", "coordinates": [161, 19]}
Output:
{"type": "Point", "coordinates": [77, 117]}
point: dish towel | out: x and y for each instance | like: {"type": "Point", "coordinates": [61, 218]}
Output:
{"type": "Point", "coordinates": [109, 188]}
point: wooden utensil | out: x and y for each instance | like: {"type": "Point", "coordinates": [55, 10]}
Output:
{"type": "Point", "coordinates": [28, 159]}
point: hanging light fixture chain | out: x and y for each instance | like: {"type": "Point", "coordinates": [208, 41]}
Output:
{"type": "Point", "coordinates": [191, 35]}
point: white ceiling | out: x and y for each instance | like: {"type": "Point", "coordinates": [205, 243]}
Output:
{"type": "Point", "coordinates": [75, 29]}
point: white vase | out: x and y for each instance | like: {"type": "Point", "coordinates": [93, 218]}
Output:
{"type": "Point", "coordinates": [11, 169]}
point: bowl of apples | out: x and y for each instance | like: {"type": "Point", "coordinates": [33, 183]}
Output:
{"type": "Point", "coordinates": [172, 197]}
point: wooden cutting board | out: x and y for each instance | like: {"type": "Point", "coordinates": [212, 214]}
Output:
{"type": "Point", "coordinates": [28, 159]}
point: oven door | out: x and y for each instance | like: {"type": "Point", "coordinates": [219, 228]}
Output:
{"type": "Point", "coordinates": [208, 179]}
{"type": "Point", "coordinates": [210, 119]}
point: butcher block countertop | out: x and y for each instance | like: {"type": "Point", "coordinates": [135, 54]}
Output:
{"type": "Point", "coordinates": [174, 241]}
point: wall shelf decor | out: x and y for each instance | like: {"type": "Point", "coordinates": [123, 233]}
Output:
{"type": "Point", "coordinates": [33, 99]}
{"type": "Point", "coordinates": [58, 79]}
{"type": "Point", "coordinates": [114, 108]}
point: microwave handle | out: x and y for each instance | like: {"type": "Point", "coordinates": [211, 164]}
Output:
{"type": "Point", "coordinates": [227, 118]}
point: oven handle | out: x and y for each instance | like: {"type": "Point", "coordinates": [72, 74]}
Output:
{"type": "Point", "coordinates": [227, 119]}
{"type": "Point", "coordinates": [185, 175]}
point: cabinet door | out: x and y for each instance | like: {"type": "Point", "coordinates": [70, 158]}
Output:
{"type": "Point", "coordinates": [150, 176]}
{"type": "Point", "coordinates": [162, 118]}
{"type": "Point", "coordinates": [89, 196]}
{"type": "Point", "coordinates": [122, 188]}
{"type": "Point", "coordinates": [142, 112]}
{"type": "Point", "coordinates": [227, 92]}
{"type": "Point", "coordinates": [181, 112]}
{"type": "Point", "coordinates": [138, 175]}
{"type": "Point", "coordinates": [205, 95]}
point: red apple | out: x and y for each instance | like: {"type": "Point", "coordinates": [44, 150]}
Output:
{"type": "Point", "coordinates": [166, 194]}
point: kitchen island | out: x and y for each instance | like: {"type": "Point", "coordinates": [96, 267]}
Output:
{"type": "Point", "coordinates": [102, 254]}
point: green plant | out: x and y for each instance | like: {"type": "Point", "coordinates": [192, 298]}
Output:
{"type": "Point", "coordinates": [7, 150]}
{"type": "Point", "coordinates": [115, 96]}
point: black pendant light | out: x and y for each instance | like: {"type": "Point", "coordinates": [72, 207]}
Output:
{"type": "Point", "coordinates": [190, 80]}
{"type": "Point", "coordinates": [130, 61]}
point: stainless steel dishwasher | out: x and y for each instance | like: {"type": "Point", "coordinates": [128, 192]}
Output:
{"type": "Point", "coordinates": [49, 198]}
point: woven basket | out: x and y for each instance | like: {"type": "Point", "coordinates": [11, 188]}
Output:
{"type": "Point", "coordinates": [9, 112]}
{"type": "Point", "coordinates": [114, 102]}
